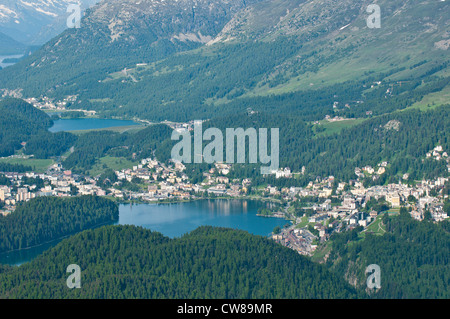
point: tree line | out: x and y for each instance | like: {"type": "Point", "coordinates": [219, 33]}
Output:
{"type": "Point", "coordinates": [47, 218]}
{"type": "Point", "coordinates": [413, 257]}
{"type": "Point", "coordinates": [132, 262]}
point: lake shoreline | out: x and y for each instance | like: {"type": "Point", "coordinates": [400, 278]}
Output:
{"type": "Point", "coordinates": [188, 215]}
{"type": "Point", "coordinates": [55, 240]}
{"type": "Point", "coordinates": [91, 124]}
{"type": "Point", "coordinates": [184, 217]}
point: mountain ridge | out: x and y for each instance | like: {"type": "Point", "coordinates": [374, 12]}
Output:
{"type": "Point", "coordinates": [35, 22]}
{"type": "Point", "coordinates": [10, 46]}
{"type": "Point", "coordinates": [133, 262]}
{"type": "Point", "coordinates": [282, 47]}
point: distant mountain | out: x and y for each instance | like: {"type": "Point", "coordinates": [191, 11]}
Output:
{"type": "Point", "coordinates": [34, 22]}
{"type": "Point", "coordinates": [337, 40]}
{"type": "Point", "coordinates": [187, 58]}
{"type": "Point", "coordinates": [10, 46]}
{"type": "Point", "coordinates": [118, 32]}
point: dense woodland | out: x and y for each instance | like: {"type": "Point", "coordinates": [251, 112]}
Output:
{"type": "Point", "coordinates": [46, 218]}
{"type": "Point", "coordinates": [368, 143]}
{"type": "Point", "coordinates": [414, 258]}
{"type": "Point", "coordinates": [301, 144]}
{"type": "Point", "coordinates": [19, 121]}
{"type": "Point", "coordinates": [132, 262]}
{"type": "Point", "coordinates": [46, 144]}
{"type": "Point", "coordinates": [18, 168]}
{"type": "Point", "coordinates": [22, 123]}
{"type": "Point", "coordinates": [149, 142]}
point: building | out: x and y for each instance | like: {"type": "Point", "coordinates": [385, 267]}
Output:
{"type": "Point", "coordinates": [222, 180]}
{"type": "Point", "coordinates": [394, 200]}
{"type": "Point", "coordinates": [24, 196]}
{"type": "Point", "coordinates": [349, 203]}
{"type": "Point", "coordinates": [220, 189]}
{"type": "Point", "coordinates": [283, 173]}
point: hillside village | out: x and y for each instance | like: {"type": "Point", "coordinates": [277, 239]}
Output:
{"type": "Point", "coordinates": [316, 211]}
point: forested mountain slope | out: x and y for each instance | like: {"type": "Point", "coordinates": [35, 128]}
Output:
{"type": "Point", "coordinates": [44, 219]}
{"type": "Point", "coordinates": [413, 257]}
{"type": "Point", "coordinates": [132, 262]}
{"type": "Point", "coordinates": [370, 142]}
{"type": "Point", "coordinates": [234, 53]}
{"type": "Point", "coordinates": [22, 124]}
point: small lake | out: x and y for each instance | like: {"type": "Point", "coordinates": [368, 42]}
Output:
{"type": "Point", "coordinates": [2, 57]}
{"type": "Point", "coordinates": [67, 125]}
{"type": "Point", "coordinates": [177, 219]}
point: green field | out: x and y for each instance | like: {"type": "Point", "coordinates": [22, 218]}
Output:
{"type": "Point", "coordinates": [303, 223]}
{"type": "Point", "coordinates": [336, 127]}
{"type": "Point", "coordinates": [114, 163]}
{"type": "Point", "coordinates": [376, 226]}
{"type": "Point", "coordinates": [433, 100]}
{"type": "Point", "coordinates": [38, 165]}
{"type": "Point", "coordinates": [118, 129]}
{"type": "Point", "coordinates": [322, 251]}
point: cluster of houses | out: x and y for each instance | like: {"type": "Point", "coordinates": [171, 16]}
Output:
{"type": "Point", "coordinates": [58, 182]}
{"type": "Point", "coordinates": [299, 239]}
{"type": "Point", "coordinates": [49, 104]}
{"type": "Point", "coordinates": [158, 182]}
{"type": "Point", "coordinates": [10, 199]}
{"type": "Point", "coordinates": [216, 182]}
{"type": "Point", "coordinates": [380, 169]}
{"type": "Point", "coordinates": [350, 211]}
{"type": "Point", "coordinates": [438, 154]}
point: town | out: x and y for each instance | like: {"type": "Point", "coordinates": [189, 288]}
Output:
{"type": "Point", "coordinates": [316, 211]}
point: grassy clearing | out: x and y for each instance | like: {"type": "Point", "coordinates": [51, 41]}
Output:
{"type": "Point", "coordinates": [321, 252]}
{"type": "Point", "coordinates": [433, 100]}
{"type": "Point", "coordinates": [114, 163]}
{"type": "Point", "coordinates": [38, 165]}
{"type": "Point", "coordinates": [118, 129]}
{"type": "Point", "coordinates": [394, 211]}
{"type": "Point", "coordinates": [336, 127]}
{"type": "Point", "coordinates": [303, 223]}
{"type": "Point", "coordinates": [376, 227]}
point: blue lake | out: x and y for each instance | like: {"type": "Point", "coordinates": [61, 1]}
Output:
{"type": "Point", "coordinates": [175, 220]}
{"type": "Point", "coordinates": [68, 125]}
{"type": "Point", "coordinates": [3, 57]}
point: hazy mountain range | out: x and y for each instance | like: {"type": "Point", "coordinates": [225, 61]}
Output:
{"type": "Point", "coordinates": [200, 55]}
{"type": "Point", "coordinates": [34, 22]}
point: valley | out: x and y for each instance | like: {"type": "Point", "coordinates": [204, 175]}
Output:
{"type": "Point", "coordinates": [357, 119]}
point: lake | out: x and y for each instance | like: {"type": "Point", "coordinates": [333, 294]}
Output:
{"type": "Point", "coordinates": [177, 219]}
{"type": "Point", "coordinates": [68, 125]}
{"type": "Point", "coordinates": [2, 57]}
